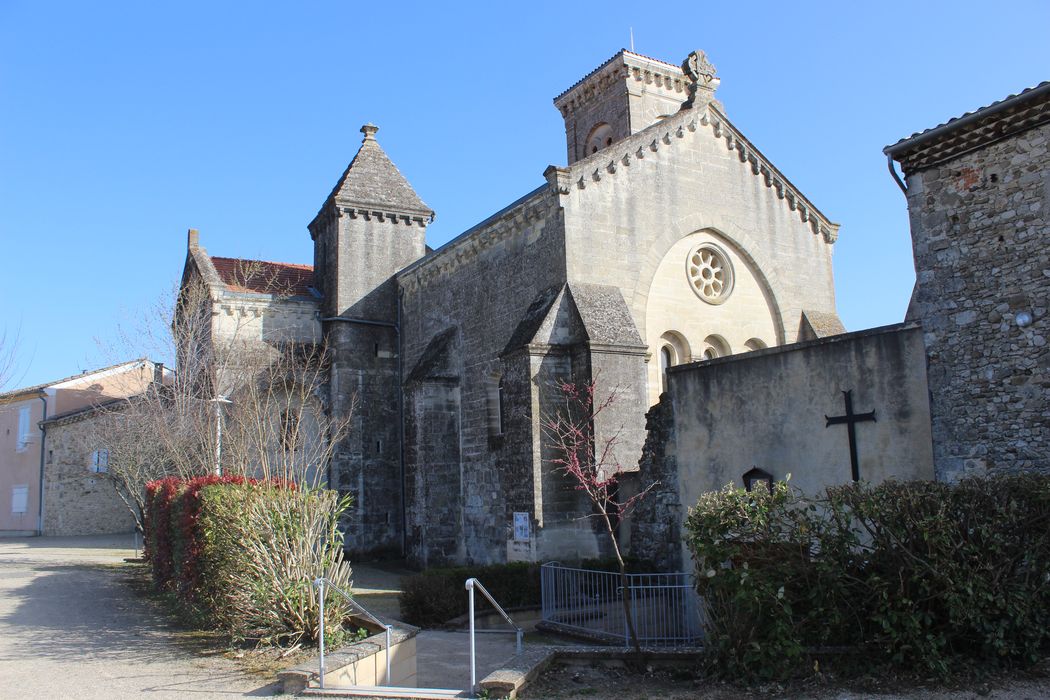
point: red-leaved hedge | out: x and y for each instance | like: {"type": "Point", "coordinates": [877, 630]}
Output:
{"type": "Point", "coordinates": [173, 540]}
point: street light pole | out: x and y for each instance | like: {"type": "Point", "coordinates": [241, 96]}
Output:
{"type": "Point", "coordinates": [218, 401]}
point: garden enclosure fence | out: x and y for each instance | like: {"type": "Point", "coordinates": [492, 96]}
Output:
{"type": "Point", "coordinates": [665, 607]}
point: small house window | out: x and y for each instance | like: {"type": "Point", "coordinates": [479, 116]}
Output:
{"type": "Point", "coordinates": [99, 461]}
{"type": "Point", "coordinates": [19, 499]}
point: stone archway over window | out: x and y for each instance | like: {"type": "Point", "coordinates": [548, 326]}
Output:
{"type": "Point", "coordinates": [600, 137]}
{"type": "Point", "coordinates": [715, 346]}
{"type": "Point", "coordinates": [755, 344]}
{"type": "Point", "coordinates": [674, 350]}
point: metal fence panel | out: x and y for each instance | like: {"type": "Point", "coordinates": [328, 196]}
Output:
{"type": "Point", "coordinates": [664, 607]}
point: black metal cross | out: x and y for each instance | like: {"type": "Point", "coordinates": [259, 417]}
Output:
{"type": "Point", "coordinates": [851, 419]}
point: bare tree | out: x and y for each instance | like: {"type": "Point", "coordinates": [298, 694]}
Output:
{"type": "Point", "coordinates": [592, 465]}
{"type": "Point", "coordinates": [263, 403]}
{"type": "Point", "coordinates": [9, 343]}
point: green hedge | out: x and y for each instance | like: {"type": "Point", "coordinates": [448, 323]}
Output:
{"type": "Point", "coordinates": [919, 575]}
{"type": "Point", "coordinates": [242, 555]}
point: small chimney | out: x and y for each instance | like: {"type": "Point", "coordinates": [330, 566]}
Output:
{"type": "Point", "coordinates": [193, 239]}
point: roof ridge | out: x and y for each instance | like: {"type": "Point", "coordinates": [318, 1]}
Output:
{"type": "Point", "coordinates": [84, 374]}
{"type": "Point", "coordinates": [303, 266]}
{"type": "Point", "coordinates": [968, 116]}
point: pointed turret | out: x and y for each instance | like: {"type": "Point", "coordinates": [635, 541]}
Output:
{"type": "Point", "coordinates": [371, 225]}
{"type": "Point", "coordinates": [373, 181]}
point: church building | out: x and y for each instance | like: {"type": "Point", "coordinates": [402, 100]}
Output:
{"type": "Point", "coordinates": [666, 238]}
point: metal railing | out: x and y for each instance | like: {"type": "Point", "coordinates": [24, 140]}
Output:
{"type": "Point", "coordinates": [322, 584]}
{"type": "Point", "coordinates": [664, 607]}
{"type": "Point", "coordinates": [472, 584]}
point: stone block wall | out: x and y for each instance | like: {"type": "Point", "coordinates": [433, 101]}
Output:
{"type": "Point", "coordinates": [768, 409]}
{"type": "Point", "coordinates": [479, 287]}
{"type": "Point", "coordinates": [76, 500]}
{"type": "Point", "coordinates": [981, 234]}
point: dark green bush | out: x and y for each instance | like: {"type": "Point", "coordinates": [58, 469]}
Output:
{"type": "Point", "coordinates": [435, 596]}
{"type": "Point", "coordinates": [920, 575]}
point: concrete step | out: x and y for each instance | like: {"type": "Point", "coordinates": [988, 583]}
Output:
{"type": "Point", "coordinates": [380, 691]}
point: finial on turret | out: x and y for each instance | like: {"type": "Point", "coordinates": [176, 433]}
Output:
{"type": "Point", "coordinates": [369, 130]}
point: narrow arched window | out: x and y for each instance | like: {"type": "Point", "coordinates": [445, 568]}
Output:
{"type": "Point", "coordinates": [666, 361]}
{"type": "Point", "coordinates": [497, 405]}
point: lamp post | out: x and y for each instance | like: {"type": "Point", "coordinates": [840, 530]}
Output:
{"type": "Point", "coordinates": [218, 401]}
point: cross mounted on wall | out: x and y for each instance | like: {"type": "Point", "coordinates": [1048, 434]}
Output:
{"type": "Point", "coordinates": [851, 419]}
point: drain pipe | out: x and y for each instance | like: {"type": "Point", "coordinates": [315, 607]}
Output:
{"type": "Point", "coordinates": [896, 177]}
{"type": "Point", "coordinates": [40, 494]}
{"type": "Point", "coordinates": [400, 407]}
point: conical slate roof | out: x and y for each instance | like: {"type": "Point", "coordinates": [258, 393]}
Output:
{"type": "Point", "coordinates": [373, 180]}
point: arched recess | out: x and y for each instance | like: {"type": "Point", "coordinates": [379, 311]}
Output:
{"type": "Point", "coordinates": [763, 267]}
{"type": "Point", "coordinates": [600, 137]}
{"type": "Point", "coordinates": [755, 344]}
{"type": "Point", "coordinates": [715, 346]}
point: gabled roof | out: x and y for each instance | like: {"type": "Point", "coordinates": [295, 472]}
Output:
{"type": "Point", "coordinates": [264, 277]}
{"type": "Point", "coordinates": [1015, 113]}
{"type": "Point", "coordinates": [37, 388]}
{"type": "Point", "coordinates": [372, 180]}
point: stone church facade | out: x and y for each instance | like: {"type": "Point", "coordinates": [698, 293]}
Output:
{"type": "Point", "coordinates": [667, 238]}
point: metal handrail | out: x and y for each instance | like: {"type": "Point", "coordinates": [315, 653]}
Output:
{"type": "Point", "coordinates": [320, 584]}
{"type": "Point", "coordinates": [470, 585]}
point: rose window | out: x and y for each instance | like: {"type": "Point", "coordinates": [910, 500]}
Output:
{"type": "Point", "coordinates": [710, 273]}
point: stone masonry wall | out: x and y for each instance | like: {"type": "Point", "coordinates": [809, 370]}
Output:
{"type": "Point", "coordinates": [981, 237]}
{"type": "Point", "coordinates": [76, 500]}
{"type": "Point", "coordinates": [482, 289]}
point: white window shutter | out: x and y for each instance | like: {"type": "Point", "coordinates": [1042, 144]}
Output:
{"type": "Point", "coordinates": [23, 428]}
{"type": "Point", "coordinates": [19, 499]}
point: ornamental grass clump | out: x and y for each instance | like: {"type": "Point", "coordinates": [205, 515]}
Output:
{"type": "Point", "coordinates": [922, 576]}
{"type": "Point", "coordinates": [242, 555]}
{"type": "Point", "coordinates": [262, 548]}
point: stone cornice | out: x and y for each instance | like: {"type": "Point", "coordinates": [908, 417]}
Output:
{"type": "Point", "coordinates": [531, 210]}
{"type": "Point", "coordinates": [624, 67]}
{"type": "Point", "coordinates": [356, 210]}
{"type": "Point", "coordinates": [667, 134]}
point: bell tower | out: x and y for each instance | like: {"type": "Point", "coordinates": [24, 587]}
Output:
{"type": "Point", "coordinates": [629, 93]}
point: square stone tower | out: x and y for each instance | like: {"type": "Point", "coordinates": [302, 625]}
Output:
{"type": "Point", "coordinates": [624, 95]}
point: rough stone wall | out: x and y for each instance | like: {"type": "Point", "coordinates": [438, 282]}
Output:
{"type": "Point", "coordinates": [481, 286]}
{"type": "Point", "coordinates": [654, 530]}
{"type": "Point", "coordinates": [76, 500]}
{"type": "Point", "coordinates": [981, 237]}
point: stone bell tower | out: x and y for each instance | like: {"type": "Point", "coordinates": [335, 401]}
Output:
{"type": "Point", "coordinates": [627, 94]}
{"type": "Point", "coordinates": [372, 225]}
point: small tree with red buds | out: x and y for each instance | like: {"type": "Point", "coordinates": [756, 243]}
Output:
{"type": "Point", "coordinates": [593, 466]}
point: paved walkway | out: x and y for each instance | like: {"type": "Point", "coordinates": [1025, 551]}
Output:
{"type": "Point", "coordinates": [71, 628]}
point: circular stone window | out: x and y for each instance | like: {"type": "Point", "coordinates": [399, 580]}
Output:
{"type": "Point", "coordinates": [710, 273]}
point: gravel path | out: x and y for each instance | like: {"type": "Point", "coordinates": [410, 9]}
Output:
{"type": "Point", "coordinates": [71, 628]}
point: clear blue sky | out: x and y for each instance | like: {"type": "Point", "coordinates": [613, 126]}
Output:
{"type": "Point", "coordinates": [124, 124]}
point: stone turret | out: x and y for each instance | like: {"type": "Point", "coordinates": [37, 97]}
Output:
{"type": "Point", "coordinates": [629, 93]}
{"type": "Point", "coordinates": [372, 225]}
